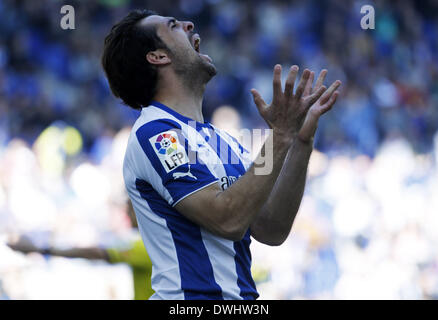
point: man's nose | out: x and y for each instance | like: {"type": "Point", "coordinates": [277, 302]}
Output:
{"type": "Point", "coordinates": [188, 26]}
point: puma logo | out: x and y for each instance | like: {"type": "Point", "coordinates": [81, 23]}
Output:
{"type": "Point", "coordinates": [177, 175]}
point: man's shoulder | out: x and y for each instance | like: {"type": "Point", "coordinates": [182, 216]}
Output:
{"type": "Point", "coordinates": [152, 118]}
{"type": "Point", "coordinates": [153, 140]}
{"type": "Point", "coordinates": [150, 123]}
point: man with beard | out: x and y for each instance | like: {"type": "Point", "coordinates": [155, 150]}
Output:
{"type": "Point", "coordinates": [196, 228]}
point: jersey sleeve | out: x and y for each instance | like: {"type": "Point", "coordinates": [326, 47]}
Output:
{"type": "Point", "coordinates": [172, 161]}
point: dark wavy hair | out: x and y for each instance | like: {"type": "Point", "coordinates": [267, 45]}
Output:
{"type": "Point", "coordinates": [131, 77]}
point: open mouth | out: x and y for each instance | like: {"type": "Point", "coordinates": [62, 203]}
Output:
{"type": "Point", "coordinates": [196, 43]}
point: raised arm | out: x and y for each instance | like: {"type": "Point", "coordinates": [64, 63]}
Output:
{"type": "Point", "coordinates": [274, 223]}
{"type": "Point", "coordinates": [93, 253]}
{"type": "Point", "coordinates": [229, 213]}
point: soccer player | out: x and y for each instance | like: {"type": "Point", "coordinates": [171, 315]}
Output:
{"type": "Point", "coordinates": [197, 209]}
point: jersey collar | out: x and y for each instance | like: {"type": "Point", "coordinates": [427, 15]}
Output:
{"type": "Point", "coordinates": [178, 115]}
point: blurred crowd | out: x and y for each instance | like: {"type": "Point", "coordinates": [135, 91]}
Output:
{"type": "Point", "coordinates": [366, 224]}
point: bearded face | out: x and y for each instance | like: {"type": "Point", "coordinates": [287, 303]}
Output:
{"type": "Point", "coordinates": [183, 48]}
{"type": "Point", "coordinates": [189, 62]}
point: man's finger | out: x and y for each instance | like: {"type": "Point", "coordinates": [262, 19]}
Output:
{"type": "Point", "coordinates": [308, 88]}
{"type": "Point", "coordinates": [258, 100]}
{"type": "Point", "coordinates": [320, 79]}
{"type": "Point", "coordinates": [290, 81]}
{"type": "Point", "coordinates": [326, 107]}
{"type": "Point", "coordinates": [276, 83]}
{"type": "Point", "coordinates": [316, 95]}
{"type": "Point", "coordinates": [326, 96]}
{"type": "Point", "coordinates": [303, 82]}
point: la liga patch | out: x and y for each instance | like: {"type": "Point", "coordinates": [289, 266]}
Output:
{"type": "Point", "coordinates": [168, 150]}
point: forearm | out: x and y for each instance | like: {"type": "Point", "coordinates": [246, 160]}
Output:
{"type": "Point", "coordinates": [92, 253]}
{"type": "Point", "coordinates": [275, 220]}
{"type": "Point", "coordinates": [241, 202]}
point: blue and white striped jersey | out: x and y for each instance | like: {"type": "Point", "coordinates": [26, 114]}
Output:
{"type": "Point", "coordinates": [169, 157]}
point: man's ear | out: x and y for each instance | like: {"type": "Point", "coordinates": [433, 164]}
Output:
{"type": "Point", "coordinates": [158, 57]}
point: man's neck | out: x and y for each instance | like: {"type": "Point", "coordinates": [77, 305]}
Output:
{"type": "Point", "coordinates": [185, 101]}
